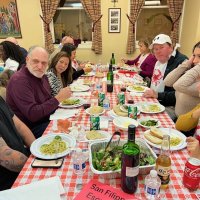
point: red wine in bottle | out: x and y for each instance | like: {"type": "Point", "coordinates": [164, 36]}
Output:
{"type": "Point", "coordinates": [130, 163]}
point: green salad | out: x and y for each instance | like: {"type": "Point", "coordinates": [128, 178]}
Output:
{"type": "Point", "coordinates": [110, 160]}
{"type": "Point", "coordinates": [150, 122]}
{"type": "Point", "coordinates": [71, 102]}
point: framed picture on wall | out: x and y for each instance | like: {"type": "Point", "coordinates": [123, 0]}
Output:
{"type": "Point", "coordinates": [9, 20]}
{"type": "Point", "coordinates": [114, 20]}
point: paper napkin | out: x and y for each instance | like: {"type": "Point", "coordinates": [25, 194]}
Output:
{"type": "Point", "coordinates": [47, 189]}
{"type": "Point", "coordinates": [63, 114]}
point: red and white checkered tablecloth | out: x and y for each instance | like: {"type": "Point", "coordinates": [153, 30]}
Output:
{"type": "Point", "coordinates": [175, 191]}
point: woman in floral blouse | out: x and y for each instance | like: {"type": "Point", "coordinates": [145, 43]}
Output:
{"type": "Point", "coordinates": [60, 72]}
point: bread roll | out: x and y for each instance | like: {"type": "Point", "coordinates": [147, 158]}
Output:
{"type": "Point", "coordinates": [156, 132]}
{"type": "Point", "coordinates": [119, 112]}
{"type": "Point", "coordinates": [152, 138]}
{"type": "Point", "coordinates": [93, 135]}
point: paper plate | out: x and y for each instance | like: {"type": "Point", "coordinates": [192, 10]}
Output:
{"type": "Point", "coordinates": [123, 122]}
{"type": "Point", "coordinates": [35, 147]}
{"type": "Point", "coordinates": [81, 102]}
{"type": "Point", "coordinates": [172, 132]}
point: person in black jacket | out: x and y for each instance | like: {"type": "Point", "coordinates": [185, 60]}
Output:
{"type": "Point", "coordinates": [15, 140]}
{"type": "Point", "coordinates": [167, 60]}
{"type": "Point", "coordinates": [70, 49]}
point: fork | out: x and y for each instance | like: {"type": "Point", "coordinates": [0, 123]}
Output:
{"type": "Point", "coordinates": [115, 133]}
{"type": "Point", "coordinates": [56, 146]}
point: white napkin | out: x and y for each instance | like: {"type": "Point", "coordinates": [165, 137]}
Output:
{"type": "Point", "coordinates": [63, 114]}
{"type": "Point", "coordinates": [46, 189]}
{"type": "Point", "coordinates": [79, 94]}
{"type": "Point", "coordinates": [104, 122]}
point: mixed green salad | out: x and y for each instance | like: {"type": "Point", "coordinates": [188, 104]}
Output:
{"type": "Point", "coordinates": [71, 101]}
{"type": "Point", "coordinates": [110, 160]}
{"type": "Point", "coordinates": [149, 123]}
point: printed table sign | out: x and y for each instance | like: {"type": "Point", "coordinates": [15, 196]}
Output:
{"type": "Point", "coordinates": [95, 190]}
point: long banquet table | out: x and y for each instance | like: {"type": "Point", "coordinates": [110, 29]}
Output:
{"type": "Point", "coordinates": [175, 191]}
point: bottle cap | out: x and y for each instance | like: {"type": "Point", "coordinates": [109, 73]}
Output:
{"type": "Point", "coordinates": [131, 127]}
{"type": "Point", "coordinates": [153, 173]}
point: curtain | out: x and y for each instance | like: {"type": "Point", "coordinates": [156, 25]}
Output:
{"type": "Point", "coordinates": [175, 11]}
{"type": "Point", "coordinates": [48, 11]}
{"type": "Point", "coordinates": [93, 9]}
{"type": "Point", "coordinates": [135, 8]}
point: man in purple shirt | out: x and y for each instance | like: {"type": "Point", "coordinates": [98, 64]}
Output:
{"type": "Point", "coordinates": [29, 95]}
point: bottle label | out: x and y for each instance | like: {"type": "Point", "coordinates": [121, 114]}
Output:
{"type": "Point", "coordinates": [79, 167]}
{"type": "Point", "coordinates": [132, 171]}
{"type": "Point", "coordinates": [151, 191]}
{"type": "Point", "coordinates": [109, 82]}
{"type": "Point", "coordinates": [164, 174]}
{"type": "Point", "coordinates": [106, 106]}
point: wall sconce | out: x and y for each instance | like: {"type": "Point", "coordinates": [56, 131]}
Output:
{"type": "Point", "coordinates": [114, 1]}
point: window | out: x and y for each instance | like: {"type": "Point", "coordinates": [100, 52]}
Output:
{"type": "Point", "coordinates": [71, 19]}
{"type": "Point", "coordinates": [153, 20]}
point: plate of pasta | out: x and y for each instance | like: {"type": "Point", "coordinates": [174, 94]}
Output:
{"type": "Point", "coordinates": [52, 146]}
{"type": "Point", "coordinates": [151, 108]}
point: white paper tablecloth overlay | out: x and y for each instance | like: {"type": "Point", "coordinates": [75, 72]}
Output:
{"type": "Point", "coordinates": [63, 114]}
{"type": "Point", "coordinates": [46, 189]}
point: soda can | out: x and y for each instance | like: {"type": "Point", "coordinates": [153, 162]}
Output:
{"type": "Point", "coordinates": [94, 122]}
{"type": "Point", "coordinates": [101, 97]}
{"type": "Point", "coordinates": [191, 177]}
{"type": "Point", "coordinates": [121, 98]}
{"type": "Point", "coordinates": [132, 112]}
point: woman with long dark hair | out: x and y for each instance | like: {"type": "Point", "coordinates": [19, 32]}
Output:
{"type": "Point", "coordinates": [70, 49]}
{"type": "Point", "coordinates": [60, 72]}
{"type": "Point", "coordinates": [11, 55]}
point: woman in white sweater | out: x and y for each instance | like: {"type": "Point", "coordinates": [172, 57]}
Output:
{"type": "Point", "coordinates": [185, 79]}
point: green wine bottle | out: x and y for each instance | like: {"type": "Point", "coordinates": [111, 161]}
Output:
{"type": "Point", "coordinates": [110, 80]}
{"type": "Point", "coordinates": [130, 163]}
{"type": "Point", "coordinates": [112, 60]}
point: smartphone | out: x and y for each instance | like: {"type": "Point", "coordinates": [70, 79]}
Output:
{"type": "Point", "coordinates": [56, 163]}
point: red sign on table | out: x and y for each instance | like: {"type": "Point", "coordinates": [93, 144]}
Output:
{"type": "Point", "coordinates": [95, 190]}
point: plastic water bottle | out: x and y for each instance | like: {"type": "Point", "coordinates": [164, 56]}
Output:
{"type": "Point", "coordinates": [106, 104]}
{"type": "Point", "coordinates": [152, 185]}
{"type": "Point", "coordinates": [98, 86]}
{"type": "Point", "coordinates": [79, 162]}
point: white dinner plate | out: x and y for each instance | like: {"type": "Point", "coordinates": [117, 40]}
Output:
{"type": "Point", "coordinates": [143, 119]}
{"type": "Point", "coordinates": [136, 88]}
{"type": "Point", "coordinates": [106, 135]}
{"type": "Point", "coordinates": [35, 146]}
{"type": "Point", "coordinates": [88, 74]}
{"type": "Point", "coordinates": [123, 122]}
{"type": "Point", "coordinates": [88, 111]}
{"type": "Point", "coordinates": [79, 88]}
{"type": "Point", "coordinates": [113, 114]}
{"type": "Point", "coordinates": [81, 102]}
{"type": "Point", "coordinates": [126, 110]}
{"type": "Point", "coordinates": [172, 132]}
{"type": "Point", "coordinates": [151, 108]}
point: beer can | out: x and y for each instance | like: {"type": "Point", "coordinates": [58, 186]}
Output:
{"type": "Point", "coordinates": [132, 112]}
{"type": "Point", "coordinates": [101, 97]}
{"type": "Point", "coordinates": [191, 177]}
{"type": "Point", "coordinates": [121, 98]}
{"type": "Point", "coordinates": [94, 122]}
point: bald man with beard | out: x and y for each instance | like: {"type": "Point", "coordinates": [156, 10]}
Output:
{"type": "Point", "coordinates": [65, 40]}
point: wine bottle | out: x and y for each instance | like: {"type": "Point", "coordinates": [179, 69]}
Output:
{"type": "Point", "coordinates": [110, 80]}
{"type": "Point", "coordinates": [112, 60]}
{"type": "Point", "coordinates": [163, 162]}
{"type": "Point", "coordinates": [130, 163]}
